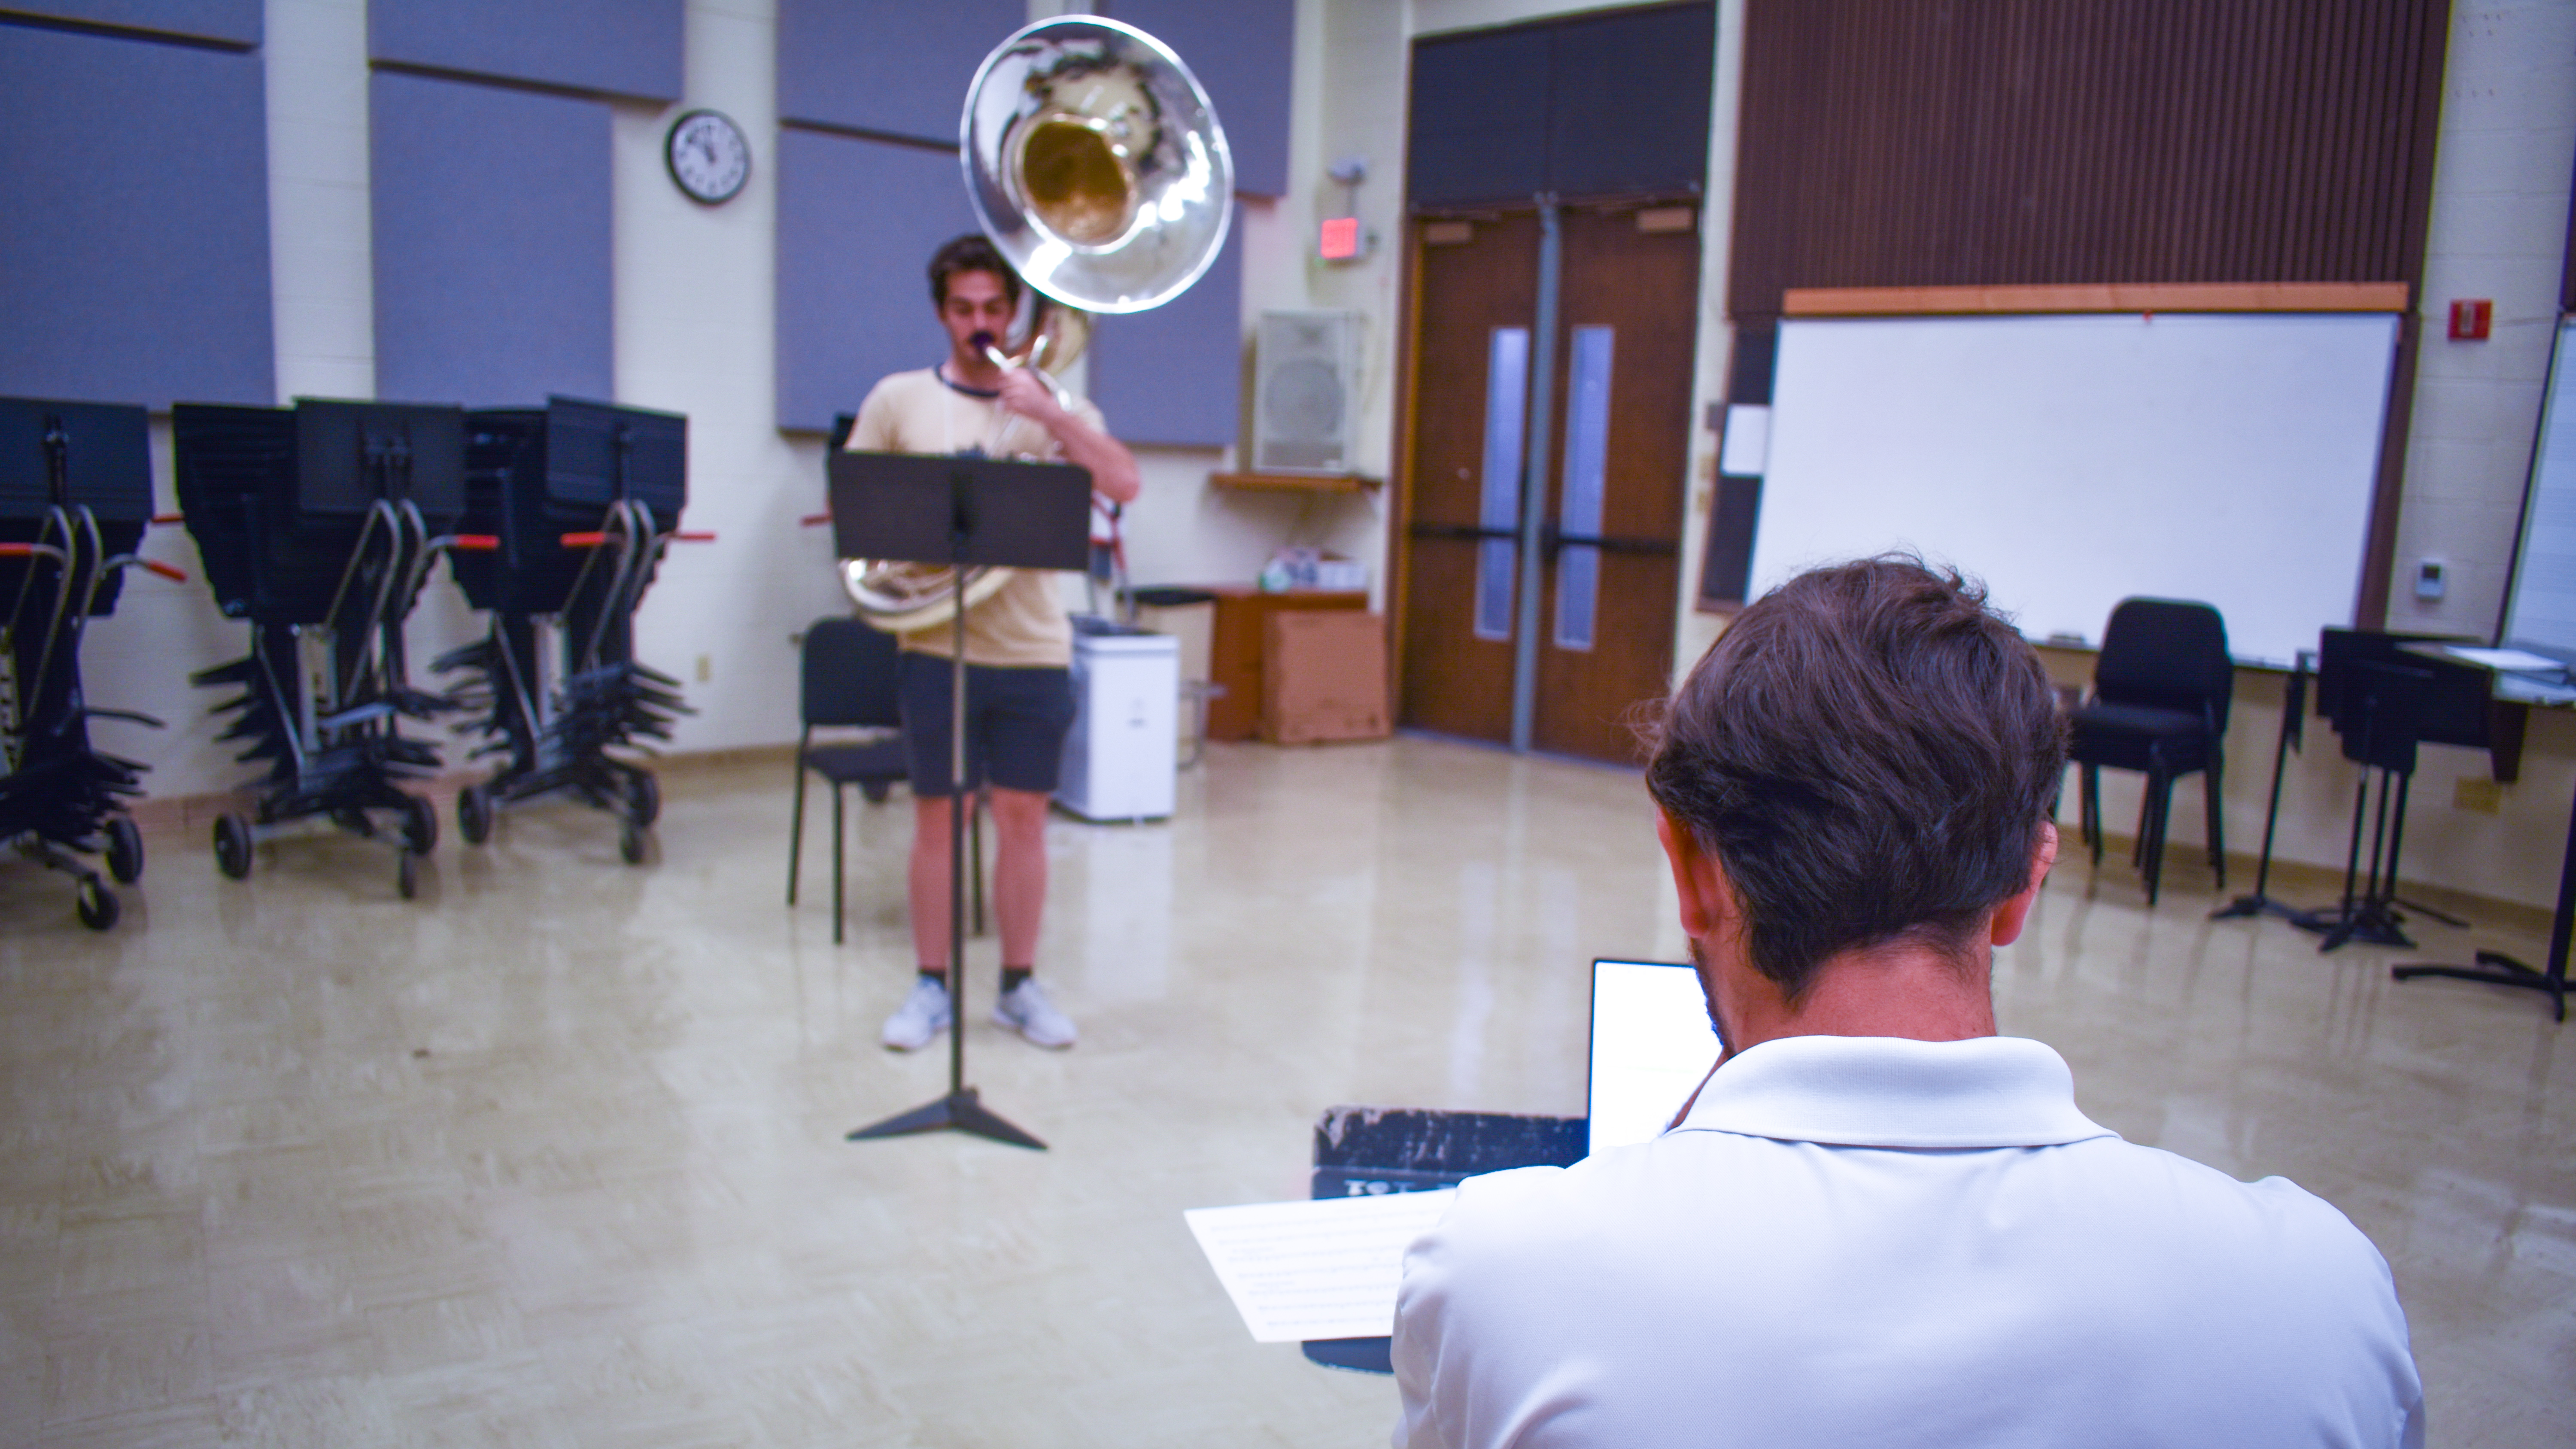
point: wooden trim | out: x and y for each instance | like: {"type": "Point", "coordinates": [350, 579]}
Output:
{"type": "Point", "coordinates": [2115, 297]}
{"type": "Point", "coordinates": [1408, 406]}
{"type": "Point", "coordinates": [1296, 482]}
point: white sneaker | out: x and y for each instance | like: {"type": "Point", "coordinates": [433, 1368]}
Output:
{"type": "Point", "coordinates": [1025, 1009]}
{"type": "Point", "coordinates": [923, 1015]}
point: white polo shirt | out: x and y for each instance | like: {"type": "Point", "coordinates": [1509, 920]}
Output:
{"type": "Point", "coordinates": [1871, 1241]}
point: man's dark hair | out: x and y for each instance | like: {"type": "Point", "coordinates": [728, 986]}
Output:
{"type": "Point", "coordinates": [973, 252]}
{"type": "Point", "coordinates": [1870, 753]}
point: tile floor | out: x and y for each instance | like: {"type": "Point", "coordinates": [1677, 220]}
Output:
{"type": "Point", "coordinates": [553, 1156]}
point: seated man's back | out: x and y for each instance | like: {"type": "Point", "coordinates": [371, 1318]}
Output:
{"type": "Point", "coordinates": [1879, 1222]}
{"type": "Point", "coordinates": [1992, 1269]}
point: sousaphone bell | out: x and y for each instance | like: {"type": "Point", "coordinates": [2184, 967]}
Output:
{"type": "Point", "coordinates": [1096, 166]}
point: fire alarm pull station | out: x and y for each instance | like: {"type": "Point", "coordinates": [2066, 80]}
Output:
{"type": "Point", "coordinates": [2472, 319]}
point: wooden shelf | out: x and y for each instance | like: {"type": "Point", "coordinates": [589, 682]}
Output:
{"type": "Point", "coordinates": [1297, 482]}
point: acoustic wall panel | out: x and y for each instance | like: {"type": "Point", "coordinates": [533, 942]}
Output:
{"type": "Point", "coordinates": [134, 258]}
{"type": "Point", "coordinates": [898, 67]}
{"type": "Point", "coordinates": [492, 252]}
{"type": "Point", "coordinates": [857, 222]}
{"type": "Point", "coordinates": [1242, 53]}
{"type": "Point", "coordinates": [1175, 374]}
{"type": "Point", "coordinates": [1628, 102]}
{"type": "Point", "coordinates": [615, 47]}
{"type": "Point", "coordinates": [1479, 126]}
{"type": "Point", "coordinates": [234, 22]}
{"type": "Point", "coordinates": [1594, 106]}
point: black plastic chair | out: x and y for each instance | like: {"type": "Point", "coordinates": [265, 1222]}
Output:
{"type": "Point", "coordinates": [2159, 706]}
{"type": "Point", "coordinates": [848, 682]}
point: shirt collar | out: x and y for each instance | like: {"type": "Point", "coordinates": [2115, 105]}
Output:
{"type": "Point", "coordinates": [1877, 1091]}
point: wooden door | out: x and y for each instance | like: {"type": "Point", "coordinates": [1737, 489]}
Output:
{"type": "Point", "coordinates": [1628, 311]}
{"type": "Point", "coordinates": [1477, 284]}
{"type": "Point", "coordinates": [1619, 434]}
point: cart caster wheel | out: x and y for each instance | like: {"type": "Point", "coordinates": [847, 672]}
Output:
{"type": "Point", "coordinates": [643, 799]}
{"type": "Point", "coordinates": [407, 872]}
{"type": "Point", "coordinates": [232, 846]}
{"type": "Point", "coordinates": [419, 825]}
{"type": "Point", "coordinates": [96, 903]}
{"type": "Point", "coordinates": [630, 843]}
{"type": "Point", "coordinates": [877, 791]}
{"type": "Point", "coordinates": [474, 814]}
{"type": "Point", "coordinates": [124, 850]}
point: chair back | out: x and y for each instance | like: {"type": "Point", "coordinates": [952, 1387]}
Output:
{"type": "Point", "coordinates": [849, 675]}
{"type": "Point", "coordinates": [2167, 654]}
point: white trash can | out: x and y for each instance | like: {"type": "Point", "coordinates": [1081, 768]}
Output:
{"type": "Point", "coordinates": [1120, 758]}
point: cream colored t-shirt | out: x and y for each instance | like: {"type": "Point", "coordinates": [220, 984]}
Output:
{"type": "Point", "coordinates": [1024, 625]}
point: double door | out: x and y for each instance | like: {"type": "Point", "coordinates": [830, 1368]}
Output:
{"type": "Point", "coordinates": [1549, 454]}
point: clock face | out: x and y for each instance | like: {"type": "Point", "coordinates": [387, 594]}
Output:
{"type": "Point", "coordinates": [708, 156]}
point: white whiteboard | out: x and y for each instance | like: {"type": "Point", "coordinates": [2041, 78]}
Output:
{"type": "Point", "coordinates": [2542, 615]}
{"type": "Point", "coordinates": [2073, 461]}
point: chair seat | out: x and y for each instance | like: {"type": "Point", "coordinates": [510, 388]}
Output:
{"type": "Point", "coordinates": [2139, 737]}
{"type": "Point", "coordinates": [858, 764]}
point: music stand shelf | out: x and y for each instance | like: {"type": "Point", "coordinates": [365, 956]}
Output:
{"type": "Point", "coordinates": [965, 513]}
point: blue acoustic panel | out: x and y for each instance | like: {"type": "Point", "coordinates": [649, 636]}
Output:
{"type": "Point", "coordinates": [1175, 374]}
{"type": "Point", "coordinates": [899, 67]}
{"type": "Point", "coordinates": [1241, 51]}
{"type": "Point", "coordinates": [492, 252]}
{"type": "Point", "coordinates": [134, 257]}
{"type": "Point", "coordinates": [1479, 129]}
{"type": "Point", "coordinates": [857, 222]}
{"type": "Point", "coordinates": [235, 22]}
{"type": "Point", "coordinates": [615, 47]}
{"type": "Point", "coordinates": [1628, 102]}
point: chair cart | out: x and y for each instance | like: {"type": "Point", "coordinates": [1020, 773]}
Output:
{"type": "Point", "coordinates": [584, 499]}
{"type": "Point", "coordinates": [75, 496]}
{"type": "Point", "coordinates": [319, 524]}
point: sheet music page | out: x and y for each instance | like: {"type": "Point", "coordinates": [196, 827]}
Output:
{"type": "Point", "coordinates": [1322, 1269]}
{"type": "Point", "coordinates": [2511, 661]}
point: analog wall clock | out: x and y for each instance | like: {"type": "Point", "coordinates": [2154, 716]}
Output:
{"type": "Point", "coordinates": [708, 157]}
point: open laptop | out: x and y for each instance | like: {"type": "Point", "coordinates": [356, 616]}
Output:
{"type": "Point", "coordinates": [1652, 1044]}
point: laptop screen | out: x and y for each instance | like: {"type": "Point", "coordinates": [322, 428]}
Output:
{"type": "Point", "coordinates": [1652, 1044]}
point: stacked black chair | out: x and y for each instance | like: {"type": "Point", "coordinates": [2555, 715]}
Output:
{"type": "Point", "coordinates": [318, 524]}
{"type": "Point", "coordinates": [2159, 706]}
{"type": "Point", "coordinates": [75, 496]}
{"type": "Point", "coordinates": [583, 499]}
{"type": "Point", "coordinates": [2384, 700]}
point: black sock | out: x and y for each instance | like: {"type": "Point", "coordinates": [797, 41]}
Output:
{"type": "Point", "coordinates": [1012, 976]}
{"type": "Point", "coordinates": [935, 978]}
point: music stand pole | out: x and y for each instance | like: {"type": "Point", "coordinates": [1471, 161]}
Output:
{"type": "Point", "coordinates": [2294, 705]}
{"type": "Point", "coordinates": [962, 1110]}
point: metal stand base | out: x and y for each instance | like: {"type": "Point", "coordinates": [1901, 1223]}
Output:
{"type": "Point", "coordinates": [959, 1111]}
{"type": "Point", "coordinates": [2501, 970]}
{"type": "Point", "coordinates": [2371, 922]}
{"type": "Point", "coordinates": [2257, 904]}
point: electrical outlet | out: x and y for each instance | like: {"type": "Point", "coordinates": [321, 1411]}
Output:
{"type": "Point", "coordinates": [2429, 583]}
{"type": "Point", "coordinates": [2477, 793]}
{"type": "Point", "coordinates": [706, 668]}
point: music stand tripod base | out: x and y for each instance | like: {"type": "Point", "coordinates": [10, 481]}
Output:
{"type": "Point", "coordinates": [2497, 969]}
{"type": "Point", "coordinates": [959, 1111]}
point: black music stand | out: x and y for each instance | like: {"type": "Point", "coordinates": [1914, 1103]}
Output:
{"type": "Point", "coordinates": [967, 513]}
{"type": "Point", "coordinates": [2294, 721]}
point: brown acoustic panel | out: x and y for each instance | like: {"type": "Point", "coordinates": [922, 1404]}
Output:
{"type": "Point", "coordinates": [1889, 143]}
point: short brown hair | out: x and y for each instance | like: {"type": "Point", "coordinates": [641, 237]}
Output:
{"type": "Point", "coordinates": [1870, 752]}
{"type": "Point", "coordinates": [973, 252]}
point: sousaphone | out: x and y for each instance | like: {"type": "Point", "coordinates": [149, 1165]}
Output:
{"type": "Point", "coordinates": [1096, 165]}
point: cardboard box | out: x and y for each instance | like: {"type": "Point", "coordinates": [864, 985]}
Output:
{"type": "Point", "coordinates": [1323, 677]}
